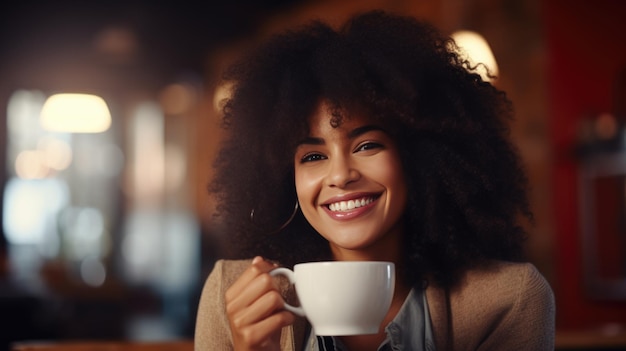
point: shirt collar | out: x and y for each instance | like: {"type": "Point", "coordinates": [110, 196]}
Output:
{"type": "Point", "coordinates": [407, 330]}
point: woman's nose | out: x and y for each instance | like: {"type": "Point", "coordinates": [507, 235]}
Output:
{"type": "Point", "coordinates": [341, 173]}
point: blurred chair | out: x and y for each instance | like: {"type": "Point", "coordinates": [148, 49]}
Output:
{"type": "Point", "coordinates": [183, 345]}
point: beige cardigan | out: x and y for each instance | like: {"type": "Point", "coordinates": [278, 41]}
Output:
{"type": "Point", "coordinates": [507, 306]}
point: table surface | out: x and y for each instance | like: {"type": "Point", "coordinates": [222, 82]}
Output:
{"type": "Point", "coordinates": [181, 345]}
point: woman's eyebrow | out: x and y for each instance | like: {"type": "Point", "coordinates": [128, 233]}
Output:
{"type": "Point", "coordinates": [312, 141]}
{"type": "Point", "coordinates": [362, 130]}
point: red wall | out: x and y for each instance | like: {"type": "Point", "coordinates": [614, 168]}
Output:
{"type": "Point", "coordinates": [586, 45]}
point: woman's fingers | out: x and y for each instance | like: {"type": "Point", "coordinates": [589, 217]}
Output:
{"type": "Point", "coordinates": [252, 284]}
{"type": "Point", "coordinates": [254, 308]}
{"type": "Point", "coordinates": [261, 308]}
{"type": "Point", "coordinates": [259, 266]}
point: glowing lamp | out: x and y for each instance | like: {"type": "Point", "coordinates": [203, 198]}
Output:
{"type": "Point", "coordinates": [474, 48]}
{"type": "Point", "coordinates": [75, 113]}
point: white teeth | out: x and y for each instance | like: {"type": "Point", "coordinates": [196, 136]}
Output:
{"type": "Point", "coordinates": [350, 204]}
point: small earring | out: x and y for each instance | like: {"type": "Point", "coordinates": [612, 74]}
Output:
{"type": "Point", "coordinates": [293, 214]}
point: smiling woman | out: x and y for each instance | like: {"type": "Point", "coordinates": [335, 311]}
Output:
{"type": "Point", "coordinates": [396, 150]}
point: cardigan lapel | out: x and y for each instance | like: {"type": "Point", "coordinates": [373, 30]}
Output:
{"type": "Point", "coordinates": [440, 315]}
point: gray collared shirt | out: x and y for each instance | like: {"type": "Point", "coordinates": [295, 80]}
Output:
{"type": "Point", "coordinates": [410, 330]}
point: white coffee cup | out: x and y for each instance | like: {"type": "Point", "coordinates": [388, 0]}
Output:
{"type": "Point", "coordinates": [342, 297]}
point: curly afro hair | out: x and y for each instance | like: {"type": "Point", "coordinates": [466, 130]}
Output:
{"type": "Point", "coordinates": [467, 186]}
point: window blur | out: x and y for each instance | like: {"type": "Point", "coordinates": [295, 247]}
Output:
{"type": "Point", "coordinates": [102, 214]}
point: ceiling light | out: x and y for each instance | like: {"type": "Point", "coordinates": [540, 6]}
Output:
{"type": "Point", "coordinates": [75, 113]}
{"type": "Point", "coordinates": [474, 48]}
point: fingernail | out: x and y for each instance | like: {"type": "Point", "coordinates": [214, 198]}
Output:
{"type": "Point", "coordinates": [257, 259]}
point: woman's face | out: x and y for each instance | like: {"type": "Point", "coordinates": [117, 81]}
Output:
{"type": "Point", "coordinates": [351, 186]}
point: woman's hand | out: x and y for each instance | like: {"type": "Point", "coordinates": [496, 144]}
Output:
{"type": "Point", "coordinates": [255, 309]}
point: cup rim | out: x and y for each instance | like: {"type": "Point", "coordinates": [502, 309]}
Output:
{"type": "Point", "coordinates": [328, 263]}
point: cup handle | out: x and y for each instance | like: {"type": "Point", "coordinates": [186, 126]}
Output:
{"type": "Point", "coordinates": [288, 273]}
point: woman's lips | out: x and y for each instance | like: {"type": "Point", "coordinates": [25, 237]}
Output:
{"type": "Point", "coordinates": [343, 206]}
{"type": "Point", "coordinates": [350, 208]}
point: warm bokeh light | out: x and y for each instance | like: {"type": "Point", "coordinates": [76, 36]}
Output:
{"type": "Point", "coordinates": [57, 153]}
{"type": "Point", "coordinates": [51, 155]}
{"type": "Point", "coordinates": [473, 47]}
{"type": "Point", "coordinates": [146, 162]}
{"type": "Point", "coordinates": [177, 99]}
{"type": "Point", "coordinates": [221, 95]}
{"type": "Point", "coordinates": [75, 113]}
{"type": "Point", "coordinates": [30, 164]}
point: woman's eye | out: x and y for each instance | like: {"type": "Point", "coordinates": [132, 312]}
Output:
{"type": "Point", "coordinates": [369, 146]}
{"type": "Point", "coordinates": [311, 158]}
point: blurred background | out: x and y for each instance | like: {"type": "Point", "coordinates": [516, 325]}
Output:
{"type": "Point", "coordinates": [107, 233]}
